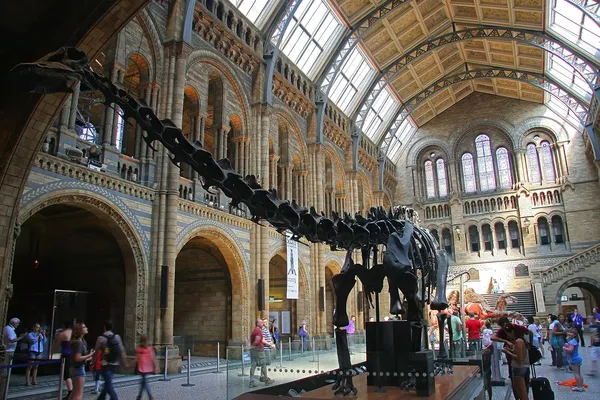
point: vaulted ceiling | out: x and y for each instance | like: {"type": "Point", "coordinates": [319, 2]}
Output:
{"type": "Point", "coordinates": [418, 21]}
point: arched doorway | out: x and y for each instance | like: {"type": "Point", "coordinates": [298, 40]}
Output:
{"type": "Point", "coordinates": [78, 258]}
{"type": "Point", "coordinates": [579, 293]}
{"type": "Point", "coordinates": [203, 297]}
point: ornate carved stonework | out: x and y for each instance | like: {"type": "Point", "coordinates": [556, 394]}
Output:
{"type": "Point", "coordinates": [214, 34]}
{"type": "Point", "coordinates": [291, 96]}
{"type": "Point", "coordinates": [521, 271]}
{"type": "Point", "coordinates": [107, 210]}
{"type": "Point", "coordinates": [336, 135]}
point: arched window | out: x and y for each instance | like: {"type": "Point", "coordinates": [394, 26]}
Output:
{"type": "Point", "coordinates": [447, 240]}
{"type": "Point", "coordinates": [487, 237]}
{"type": "Point", "coordinates": [544, 232]}
{"type": "Point", "coordinates": [503, 162]}
{"type": "Point", "coordinates": [533, 163]}
{"type": "Point", "coordinates": [557, 228]}
{"type": "Point", "coordinates": [468, 170]}
{"type": "Point", "coordinates": [435, 234]}
{"type": "Point", "coordinates": [441, 178]}
{"type": "Point", "coordinates": [547, 162]}
{"type": "Point", "coordinates": [513, 230]}
{"type": "Point", "coordinates": [485, 163]}
{"type": "Point", "coordinates": [500, 235]}
{"type": "Point", "coordinates": [429, 179]}
{"type": "Point", "coordinates": [474, 238]}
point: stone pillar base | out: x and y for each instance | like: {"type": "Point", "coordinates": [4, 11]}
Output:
{"type": "Point", "coordinates": [174, 361]}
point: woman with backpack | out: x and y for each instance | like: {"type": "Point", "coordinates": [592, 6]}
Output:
{"type": "Point", "coordinates": [147, 364]}
{"type": "Point", "coordinates": [303, 333]}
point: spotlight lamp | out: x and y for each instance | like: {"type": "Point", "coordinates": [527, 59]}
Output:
{"type": "Point", "coordinates": [458, 232]}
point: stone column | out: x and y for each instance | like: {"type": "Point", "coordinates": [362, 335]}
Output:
{"type": "Point", "coordinates": [541, 163]}
{"type": "Point", "coordinates": [263, 154]}
{"type": "Point", "coordinates": [321, 271]}
{"type": "Point", "coordinates": [74, 103]}
{"type": "Point", "coordinates": [264, 266]}
{"type": "Point", "coordinates": [521, 173]}
{"type": "Point", "coordinates": [494, 248]}
{"type": "Point", "coordinates": [273, 158]}
{"type": "Point", "coordinates": [175, 105]}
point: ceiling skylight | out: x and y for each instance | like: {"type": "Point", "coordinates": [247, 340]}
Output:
{"type": "Point", "coordinates": [352, 81]}
{"type": "Point", "coordinates": [566, 74]}
{"type": "Point", "coordinates": [403, 135]}
{"type": "Point", "coordinates": [255, 10]}
{"type": "Point", "coordinates": [311, 35]}
{"type": "Point", "coordinates": [570, 23]}
{"type": "Point", "coordinates": [379, 114]}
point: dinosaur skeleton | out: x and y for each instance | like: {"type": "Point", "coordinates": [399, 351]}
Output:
{"type": "Point", "coordinates": [412, 260]}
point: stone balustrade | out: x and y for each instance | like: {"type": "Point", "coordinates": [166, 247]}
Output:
{"type": "Point", "coordinates": [569, 266]}
{"type": "Point", "coordinates": [83, 173]}
{"type": "Point", "coordinates": [219, 215]}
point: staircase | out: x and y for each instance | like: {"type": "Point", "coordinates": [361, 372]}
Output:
{"type": "Point", "coordinates": [525, 303]}
{"type": "Point", "coordinates": [578, 264]}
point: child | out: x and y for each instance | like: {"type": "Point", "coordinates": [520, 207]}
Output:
{"type": "Point", "coordinates": [146, 364]}
{"type": "Point", "coordinates": [97, 366]}
{"type": "Point", "coordinates": [486, 337]}
{"type": "Point", "coordinates": [572, 349]}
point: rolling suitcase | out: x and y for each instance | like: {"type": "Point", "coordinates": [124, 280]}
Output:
{"type": "Point", "coordinates": [541, 388]}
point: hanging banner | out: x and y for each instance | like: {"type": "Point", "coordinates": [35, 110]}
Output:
{"type": "Point", "coordinates": [292, 267]}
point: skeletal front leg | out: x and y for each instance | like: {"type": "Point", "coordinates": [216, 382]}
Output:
{"type": "Point", "coordinates": [440, 302]}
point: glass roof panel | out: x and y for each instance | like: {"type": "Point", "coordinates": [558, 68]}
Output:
{"type": "Point", "coordinates": [569, 22]}
{"type": "Point", "coordinates": [568, 76]}
{"type": "Point", "coordinates": [379, 114]}
{"type": "Point", "coordinates": [352, 81]}
{"type": "Point", "coordinates": [311, 36]}
{"type": "Point", "coordinates": [255, 10]}
{"type": "Point", "coordinates": [403, 135]}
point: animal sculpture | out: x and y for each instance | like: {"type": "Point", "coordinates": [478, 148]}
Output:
{"type": "Point", "coordinates": [410, 250]}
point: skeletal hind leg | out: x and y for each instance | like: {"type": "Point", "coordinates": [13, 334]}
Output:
{"type": "Point", "coordinates": [395, 302]}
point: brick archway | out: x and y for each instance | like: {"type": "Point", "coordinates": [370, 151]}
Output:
{"type": "Point", "coordinates": [589, 284]}
{"type": "Point", "coordinates": [26, 118]}
{"type": "Point", "coordinates": [237, 272]}
{"type": "Point", "coordinates": [136, 275]}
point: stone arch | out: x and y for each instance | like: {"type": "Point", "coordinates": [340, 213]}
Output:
{"type": "Point", "coordinates": [499, 125]}
{"type": "Point", "coordinates": [549, 125]}
{"type": "Point", "coordinates": [154, 40]}
{"type": "Point", "coordinates": [338, 164]}
{"type": "Point", "coordinates": [229, 71]}
{"type": "Point", "coordinates": [303, 311]}
{"type": "Point", "coordinates": [232, 253]}
{"type": "Point", "coordinates": [590, 284]}
{"type": "Point", "coordinates": [418, 147]}
{"type": "Point", "coordinates": [128, 239]}
{"type": "Point", "coordinates": [293, 126]}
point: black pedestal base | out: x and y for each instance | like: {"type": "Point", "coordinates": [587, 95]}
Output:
{"type": "Point", "coordinates": [393, 361]}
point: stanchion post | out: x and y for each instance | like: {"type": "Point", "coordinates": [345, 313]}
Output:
{"type": "Point", "coordinates": [313, 350]}
{"type": "Point", "coordinates": [280, 355]}
{"type": "Point", "coordinates": [242, 374]}
{"type": "Point", "coordinates": [8, 373]}
{"type": "Point", "coordinates": [290, 347]}
{"type": "Point", "coordinates": [218, 371]}
{"type": "Point", "coordinates": [165, 376]}
{"type": "Point", "coordinates": [61, 378]}
{"type": "Point", "coordinates": [189, 369]}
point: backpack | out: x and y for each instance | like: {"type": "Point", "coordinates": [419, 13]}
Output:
{"type": "Point", "coordinates": [112, 349]}
{"type": "Point", "coordinates": [302, 332]}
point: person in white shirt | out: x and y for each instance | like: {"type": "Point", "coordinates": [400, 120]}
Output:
{"type": "Point", "coordinates": [486, 335]}
{"type": "Point", "coordinates": [10, 338]}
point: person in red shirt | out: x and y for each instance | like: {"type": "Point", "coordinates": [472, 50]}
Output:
{"type": "Point", "coordinates": [474, 331]}
{"type": "Point", "coordinates": [257, 354]}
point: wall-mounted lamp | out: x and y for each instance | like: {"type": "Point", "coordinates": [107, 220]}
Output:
{"type": "Point", "coordinates": [526, 225]}
{"type": "Point", "coordinates": [458, 231]}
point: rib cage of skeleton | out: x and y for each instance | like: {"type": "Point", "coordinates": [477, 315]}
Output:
{"type": "Point", "coordinates": [412, 260]}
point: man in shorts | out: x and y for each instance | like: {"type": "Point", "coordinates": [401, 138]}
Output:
{"type": "Point", "coordinates": [595, 331]}
{"type": "Point", "coordinates": [257, 354]}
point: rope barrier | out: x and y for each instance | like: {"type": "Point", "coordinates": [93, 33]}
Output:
{"type": "Point", "coordinates": [29, 364]}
